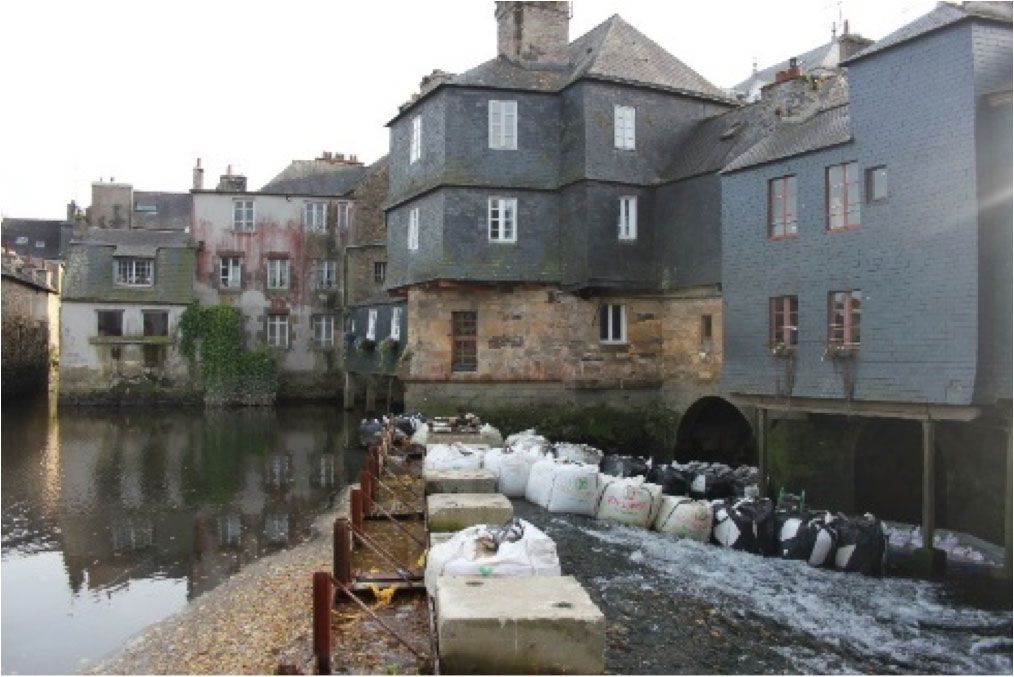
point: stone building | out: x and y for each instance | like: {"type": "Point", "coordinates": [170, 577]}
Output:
{"type": "Point", "coordinates": [365, 265]}
{"type": "Point", "coordinates": [866, 277]}
{"type": "Point", "coordinates": [548, 249]}
{"type": "Point", "coordinates": [31, 314]}
{"type": "Point", "coordinates": [276, 254]}
{"type": "Point", "coordinates": [124, 292]}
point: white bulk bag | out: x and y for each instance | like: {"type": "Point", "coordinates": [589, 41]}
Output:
{"type": "Point", "coordinates": [684, 517]}
{"type": "Point", "coordinates": [534, 554]}
{"type": "Point", "coordinates": [575, 489]}
{"type": "Point", "coordinates": [578, 453]}
{"type": "Point", "coordinates": [529, 443]}
{"type": "Point", "coordinates": [511, 469]}
{"type": "Point", "coordinates": [540, 482]}
{"type": "Point", "coordinates": [627, 501]}
{"type": "Point", "coordinates": [452, 457]}
{"type": "Point", "coordinates": [421, 434]}
{"type": "Point", "coordinates": [490, 435]}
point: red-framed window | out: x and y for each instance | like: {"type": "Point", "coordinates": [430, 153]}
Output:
{"type": "Point", "coordinates": [782, 207]}
{"type": "Point", "coordinates": [844, 309]}
{"type": "Point", "coordinates": [784, 321]}
{"type": "Point", "coordinates": [843, 196]}
{"type": "Point", "coordinates": [464, 353]}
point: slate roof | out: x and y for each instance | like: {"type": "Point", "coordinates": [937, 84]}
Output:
{"type": "Point", "coordinates": [173, 211]}
{"type": "Point", "coordinates": [828, 127]}
{"type": "Point", "coordinates": [48, 231]}
{"type": "Point", "coordinates": [316, 177]}
{"type": "Point", "coordinates": [613, 51]}
{"type": "Point", "coordinates": [134, 242]}
{"type": "Point", "coordinates": [944, 14]}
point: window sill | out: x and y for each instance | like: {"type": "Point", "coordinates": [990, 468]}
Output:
{"type": "Point", "coordinates": [843, 229]}
{"type": "Point", "coordinates": [614, 346]}
{"type": "Point", "coordinates": [125, 340]}
{"type": "Point", "coordinates": [503, 241]}
{"type": "Point", "coordinates": [779, 238]}
{"type": "Point", "coordinates": [125, 285]}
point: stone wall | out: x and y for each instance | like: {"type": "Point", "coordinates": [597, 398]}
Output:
{"type": "Point", "coordinates": [367, 237]}
{"type": "Point", "coordinates": [26, 336]}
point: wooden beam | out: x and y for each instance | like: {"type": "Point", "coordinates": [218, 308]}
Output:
{"type": "Point", "coordinates": [1008, 556]}
{"type": "Point", "coordinates": [929, 503]}
{"type": "Point", "coordinates": [762, 449]}
{"type": "Point", "coordinates": [814, 405]}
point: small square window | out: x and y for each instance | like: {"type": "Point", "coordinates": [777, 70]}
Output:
{"type": "Point", "coordinates": [110, 322]}
{"type": "Point", "coordinates": [876, 184]}
{"type": "Point", "coordinates": [156, 322]}
{"type": "Point", "coordinates": [21, 239]}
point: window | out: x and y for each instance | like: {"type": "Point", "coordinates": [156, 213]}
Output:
{"type": "Point", "coordinates": [843, 313]}
{"type": "Point", "coordinates": [612, 323]}
{"type": "Point", "coordinates": [379, 271]}
{"type": "Point", "coordinates": [134, 272]}
{"type": "Point", "coordinates": [415, 149]}
{"type": "Point", "coordinates": [413, 229]}
{"type": "Point", "coordinates": [110, 322]}
{"type": "Point", "coordinates": [503, 219]}
{"type": "Point", "coordinates": [628, 217]}
{"type": "Point", "coordinates": [156, 322]}
{"type": "Point", "coordinates": [782, 207]}
{"type": "Point", "coordinates": [278, 273]}
{"type": "Point", "coordinates": [503, 125]}
{"type": "Point", "coordinates": [876, 184]}
{"type": "Point", "coordinates": [243, 215]}
{"type": "Point", "coordinates": [230, 272]}
{"type": "Point", "coordinates": [315, 216]}
{"type": "Point", "coordinates": [323, 331]}
{"type": "Point", "coordinates": [843, 196]}
{"type": "Point", "coordinates": [623, 127]}
{"type": "Point", "coordinates": [344, 209]}
{"type": "Point", "coordinates": [371, 325]}
{"type": "Point", "coordinates": [325, 274]}
{"type": "Point", "coordinates": [464, 335]}
{"type": "Point", "coordinates": [21, 239]}
{"type": "Point", "coordinates": [707, 341]}
{"type": "Point", "coordinates": [784, 321]}
{"type": "Point", "coordinates": [278, 331]}
{"type": "Point", "coordinates": [40, 244]}
{"type": "Point", "coordinates": [396, 323]}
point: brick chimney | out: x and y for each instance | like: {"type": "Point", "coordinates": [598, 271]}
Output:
{"type": "Point", "coordinates": [790, 73]}
{"type": "Point", "coordinates": [198, 176]}
{"type": "Point", "coordinates": [533, 32]}
{"type": "Point", "coordinates": [231, 183]}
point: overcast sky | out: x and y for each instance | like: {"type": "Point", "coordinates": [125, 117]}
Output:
{"type": "Point", "coordinates": [138, 90]}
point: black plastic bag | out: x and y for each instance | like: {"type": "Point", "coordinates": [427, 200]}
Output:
{"type": "Point", "coordinates": [747, 524]}
{"type": "Point", "coordinates": [623, 466]}
{"type": "Point", "coordinates": [674, 482]}
{"type": "Point", "coordinates": [861, 545]}
{"type": "Point", "coordinates": [711, 485]}
{"type": "Point", "coordinates": [825, 540]}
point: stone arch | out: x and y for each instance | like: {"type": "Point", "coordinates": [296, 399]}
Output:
{"type": "Point", "coordinates": [714, 429]}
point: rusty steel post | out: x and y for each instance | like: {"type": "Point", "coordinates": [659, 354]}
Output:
{"type": "Point", "coordinates": [365, 480]}
{"type": "Point", "coordinates": [343, 550]}
{"type": "Point", "coordinates": [323, 599]}
{"type": "Point", "coordinates": [356, 508]}
{"type": "Point", "coordinates": [374, 472]}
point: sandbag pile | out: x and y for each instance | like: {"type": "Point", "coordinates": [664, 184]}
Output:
{"type": "Point", "coordinates": [578, 453]}
{"type": "Point", "coordinates": [630, 501]}
{"type": "Point", "coordinates": [564, 487]}
{"type": "Point", "coordinates": [685, 517]}
{"type": "Point", "coordinates": [511, 468]}
{"type": "Point", "coordinates": [454, 456]}
{"type": "Point", "coordinates": [824, 539]}
{"type": "Point", "coordinates": [745, 524]}
{"type": "Point", "coordinates": [517, 548]}
{"type": "Point", "coordinates": [625, 466]}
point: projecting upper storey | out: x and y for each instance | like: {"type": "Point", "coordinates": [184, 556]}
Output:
{"type": "Point", "coordinates": [552, 108]}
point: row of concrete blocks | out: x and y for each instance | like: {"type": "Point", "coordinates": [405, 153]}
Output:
{"type": "Point", "coordinates": [505, 625]}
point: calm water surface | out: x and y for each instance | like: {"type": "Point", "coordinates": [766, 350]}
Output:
{"type": "Point", "coordinates": [115, 518]}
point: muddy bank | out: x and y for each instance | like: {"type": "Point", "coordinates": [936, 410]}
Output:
{"type": "Point", "coordinates": [257, 619]}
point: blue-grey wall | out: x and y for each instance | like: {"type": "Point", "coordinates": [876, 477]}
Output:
{"type": "Point", "coordinates": [688, 227]}
{"type": "Point", "coordinates": [915, 255]}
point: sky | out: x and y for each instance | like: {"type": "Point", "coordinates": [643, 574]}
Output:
{"type": "Point", "coordinates": [136, 91]}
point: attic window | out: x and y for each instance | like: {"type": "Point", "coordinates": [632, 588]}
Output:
{"type": "Point", "coordinates": [22, 239]}
{"type": "Point", "coordinates": [732, 130]}
{"type": "Point", "coordinates": [148, 209]}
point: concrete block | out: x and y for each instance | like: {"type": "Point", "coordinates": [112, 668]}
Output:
{"type": "Point", "coordinates": [454, 512]}
{"type": "Point", "coordinates": [438, 537]}
{"type": "Point", "coordinates": [530, 625]}
{"type": "Point", "coordinates": [460, 482]}
{"type": "Point", "coordinates": [469, 440]}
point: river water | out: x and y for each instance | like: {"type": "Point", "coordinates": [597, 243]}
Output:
{"type": "Point", "coordinates": [115, 518]}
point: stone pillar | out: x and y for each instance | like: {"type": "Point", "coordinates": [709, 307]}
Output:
{"type": "Point", "coordinates": [371, 393]}
{"type": "Point", "coordinates": [349, 394]}
{"type": "Point", "coordinates": [1008, 523]}
{"type": "Point", "coordinates": [762, 450]}
{"type": "Point", "coordinates": [929, 560]}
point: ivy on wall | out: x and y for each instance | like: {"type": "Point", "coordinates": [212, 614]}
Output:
{"type": "Point", "coordinates": [212, 338]}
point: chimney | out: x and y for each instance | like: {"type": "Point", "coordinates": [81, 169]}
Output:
{"type": "Point", "coordinates": [71, 211]}
{"type": "Point", "coordinates": [231, 183]}
{"type": "Point", "coordinates": [533, 32]}
{"type": "Point", "coordinates": [791, 73]}
{"type": "Point", "coordinates": [198, 176]}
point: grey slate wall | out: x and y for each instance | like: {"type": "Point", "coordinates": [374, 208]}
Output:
{"type": "Point", "coordinates": [404, 266]}
{"type": "Point", "coordinates": [688, 226]}
{"type": "Point", "coordinates": [914, 256]}
{"type": "Point", "coordinates": [409, 178]}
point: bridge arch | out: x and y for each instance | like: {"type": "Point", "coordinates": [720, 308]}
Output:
{"type": "Point", "coordinates": [713, 429]}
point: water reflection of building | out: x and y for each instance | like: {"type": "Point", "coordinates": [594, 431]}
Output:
{"type": "Point", "coordinates": [178, 495]}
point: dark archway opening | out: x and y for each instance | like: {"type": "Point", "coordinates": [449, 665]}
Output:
{"type": "Point", "coordinates": [714, 430]}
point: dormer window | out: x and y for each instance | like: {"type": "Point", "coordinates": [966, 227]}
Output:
{"type": "Point", "coordinates": [623, 127]}
{"type": "Point", "coordinates": [503, 125]}
{"type": "Point", "coordinates": [134, 272]}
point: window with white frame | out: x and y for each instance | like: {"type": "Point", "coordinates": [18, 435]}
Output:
{"type": "Point", "coordinates": [612, 323]}
{"type": "Point", "coordinates": [371, 324]}
{"type": "Point", "coordinates": [278, 331]}
{"type": "Point", "coordinates": [503, 225]}
{"type": "Point", "coordinates": [623, 127]}
{"type": "Point", "coordinates": [134, 272]}
{"type": "Point", "coordinates": [278, 273]}
{"type": "Point", "coordinates": [22, 239]}
{"type": "Point", "coordinates": [323, 331]}
{"type": "Point", "coordinates": [230, 272]}
{"type": "Point", "coordinates": [325, 274]}
{"type": "Point", "coordinates": [396, 323]}
{"type": "Point", "coordinates": [503, 125]}
{"type": "Point", "coordinates": [415, 148]}
{"type": "Point", "coordinates": [344, 209]}
{"type": "Point", "coordinates": [413, 229]}
{"type": "Point", "coordinates": [315, 216]}
{"type": "Point", "coordinates": [628, 217]}
{"type": "Point", "coordinates": [243, 215]}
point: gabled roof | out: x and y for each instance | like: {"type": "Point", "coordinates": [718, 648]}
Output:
{"type": "Point", "coordinates": [134, 242]}
{"type": "Point", "coordinates": [50, 232]}
{"type": "Point", "coordinates": [321, 178]}
{"type": "Point", "coordinates": [828, 127]}
{"type": "Point", "coordinates": [714, 142]}
{"type": "Point", "coordinates": [613, 51]}
{"type": "Point", "coordinates": [157, 210]}
{"type": "Point", "coordinates": [944, 14]}
{"type": "Point", "coordinates": [807, 61]}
